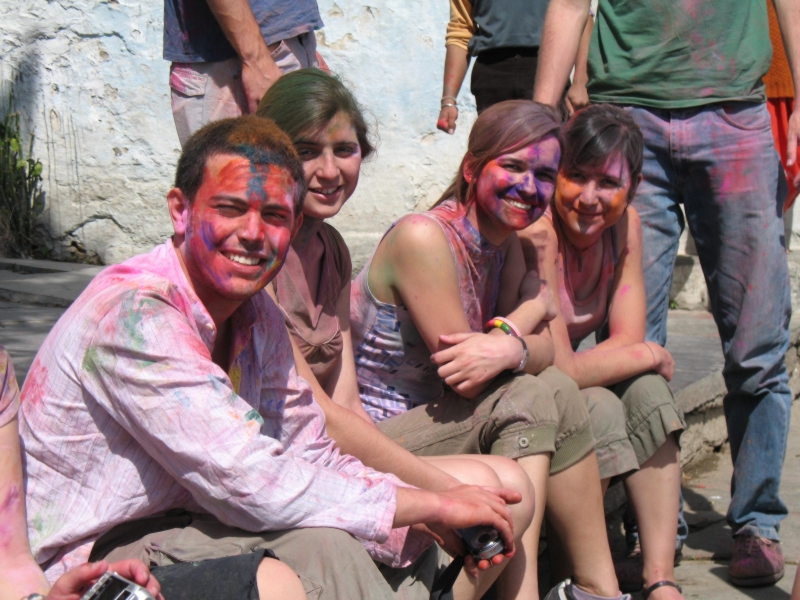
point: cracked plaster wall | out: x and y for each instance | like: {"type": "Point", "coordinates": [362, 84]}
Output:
{"type": "Point", "coordinates": [94, 91]}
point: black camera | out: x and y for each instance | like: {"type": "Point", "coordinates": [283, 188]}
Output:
{"type": "Point", "coordinates": [482, 542]}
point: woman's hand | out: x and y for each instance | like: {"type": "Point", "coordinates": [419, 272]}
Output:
{"type": "Point", "coordinates": [75, 583]}
{"type": "Point", "coordinates": [475, 358]}
{"type": "Point", "coordinates": [447, 119]}
{"type": "Point", "coordinates": [664, 363]}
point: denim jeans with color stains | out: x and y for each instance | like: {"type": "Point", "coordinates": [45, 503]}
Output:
{"type": "Point", "coordinates": [719, 161]}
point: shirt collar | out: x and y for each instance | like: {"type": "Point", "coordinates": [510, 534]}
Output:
{"type": "Point", "coordinates": [242, 321]}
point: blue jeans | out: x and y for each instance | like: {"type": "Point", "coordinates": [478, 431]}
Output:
{"type": "Point", "coordinates": [719, 161]}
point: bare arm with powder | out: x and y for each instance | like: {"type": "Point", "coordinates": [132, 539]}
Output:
{"type": "Point", "coordinates": [577, 96]}
{"type": "Point", "coordinates": [563, 26]}
{"type": "Point", "coordinates": [625, 353]}
{"type": "Point", "coordinates": [460, 30]}
{"type": "Point", "coordinates": [19, 573]}
{"type": "Point", "coordinates": [414, 266]}
{"type": "Point", "coordinates": [368, 444]}
{"type": "Point", "coordinates": [789, 21]}
{"type": "Point", "coordinates": [259, 71]}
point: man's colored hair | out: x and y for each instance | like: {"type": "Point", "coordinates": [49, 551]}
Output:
{"type": "Point", "coordinates": [254, 138]}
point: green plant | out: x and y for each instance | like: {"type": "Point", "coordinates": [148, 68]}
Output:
{"type": "Point", "coordinates": [21, 195]}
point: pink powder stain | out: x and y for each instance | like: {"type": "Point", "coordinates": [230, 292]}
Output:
{"type": "Point", "coordinates": [624, 290]}
{"type": "Point", "coordinates": [34, 388]}
{"type": "Point", "coordinates": [11, 501]}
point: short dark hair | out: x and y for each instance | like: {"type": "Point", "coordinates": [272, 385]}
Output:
{"type": "Point", "coordinates": [305, 101]}
{"type": "Point", "coordinates": [600, 132]}
{"type": "Point", "coordinates": [259, 140]}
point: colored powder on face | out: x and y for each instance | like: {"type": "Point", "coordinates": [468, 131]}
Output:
{"type": "Point", "coordinates": [207, 235]}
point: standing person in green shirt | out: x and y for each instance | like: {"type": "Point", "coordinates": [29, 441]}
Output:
{"type": "Point", "coordinates": [690, 76]}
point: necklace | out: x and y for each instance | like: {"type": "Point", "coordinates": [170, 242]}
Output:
{"type": "Point", "coordinates": [579, 251]}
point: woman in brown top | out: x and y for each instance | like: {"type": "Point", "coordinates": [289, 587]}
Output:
{"type": "Point", "coordinates": [313, 287]}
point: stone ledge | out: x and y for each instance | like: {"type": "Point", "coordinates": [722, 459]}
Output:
{"type": "Point", "coordinates": [34, 266]}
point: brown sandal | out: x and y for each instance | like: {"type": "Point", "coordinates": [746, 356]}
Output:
{"type": "Point", "coordinates": [646, 592]}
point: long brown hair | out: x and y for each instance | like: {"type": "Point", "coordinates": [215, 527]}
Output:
{"type": "Point", "coordinates": [500, 129]}
{"type": "Point", "coordinates": [303, 102]}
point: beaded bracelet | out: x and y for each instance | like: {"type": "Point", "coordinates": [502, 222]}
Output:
{"type": "Point", "coordinates": [504, 325]}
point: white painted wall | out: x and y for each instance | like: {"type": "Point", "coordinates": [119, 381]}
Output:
{"type": "Point", "coordinates": [94, 90]}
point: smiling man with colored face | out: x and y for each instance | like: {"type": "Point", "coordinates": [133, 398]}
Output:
{"type": "Point", "coordinates": [163, 417]}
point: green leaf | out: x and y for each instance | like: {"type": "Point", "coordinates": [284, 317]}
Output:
{"type": "Point", "coordinates": [37, 169]}
{"type": "Point", "coordinates": [15, 145]}
{"type": "Point", "coordinates": [21, 164]}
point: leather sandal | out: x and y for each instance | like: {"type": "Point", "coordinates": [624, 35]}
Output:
{"type": "Point", "coordinates": [647, 591]}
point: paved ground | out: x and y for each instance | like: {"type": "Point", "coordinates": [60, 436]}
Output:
{"type": "Point", "coordinates": [693, 341]}
{"type": "Point", "coordinates": [23, 327]}
{"type": "Point", "coordinates": [706, 490]}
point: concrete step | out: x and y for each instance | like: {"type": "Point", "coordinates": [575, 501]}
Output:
{"type": "Point", "coordinates": [42, 282]}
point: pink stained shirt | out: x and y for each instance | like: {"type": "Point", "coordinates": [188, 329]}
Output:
{"type": "Point", "coordinates": [124, 415]}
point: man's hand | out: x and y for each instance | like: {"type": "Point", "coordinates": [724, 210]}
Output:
{"type": "Point", "coordinates": [791, 145]}
{"type": "Point", "coordinates": [475, 358]}
{"type": "Point", "coordinates": [257, 77]}
{"type": "Point", "coordinates": [447, 119]}
{"type": "Point", "coordinates": [469, 505]}
{"type": "Point", "coordinates": [259, 71]}
{"type": "Point", "coordinates": [452, 543]}
{"type": "Point", "coordinates": [457, 508]}
{"type": "Point", "coordinates": [577, 97]}
{"type": "Point", "coordinates": [75, 583]}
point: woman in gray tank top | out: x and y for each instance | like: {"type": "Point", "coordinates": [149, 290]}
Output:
{"type": "Point", "coordinates": [452, 348]}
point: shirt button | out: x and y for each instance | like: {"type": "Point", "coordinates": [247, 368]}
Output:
{"type": "Point", "coordinates": [523, 442]}
{"type": "Point", "coordinates": [209, 326]}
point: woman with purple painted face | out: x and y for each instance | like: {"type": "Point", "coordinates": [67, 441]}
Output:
{"type": "Point", "coordinates": [453, 351]}
{"type": "Point", "coordinates": [588, 246]}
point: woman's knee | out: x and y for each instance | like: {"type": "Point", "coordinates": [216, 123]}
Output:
{"type": "Point", "coordinates": [277, 581]}
{"type": "Point", "coordinates": [606, 414]}
{"type": "Point", "coordinates": [470, 470]}
{"type": "Point", "coordinates": [644, 393]}
{"type": "Point", "coordinates": [515, 478]}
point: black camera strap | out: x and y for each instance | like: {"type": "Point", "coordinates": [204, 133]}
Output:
{"type": "Point", "coordinates": [443, 587]}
